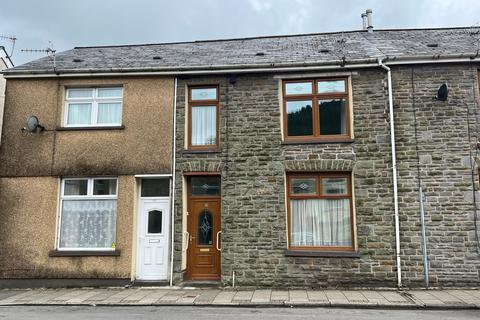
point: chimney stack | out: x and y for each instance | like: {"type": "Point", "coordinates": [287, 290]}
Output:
{"type": "Point", "coordinates": [364, 20]}
{"type": "Point", "coordinates": [369, 20]}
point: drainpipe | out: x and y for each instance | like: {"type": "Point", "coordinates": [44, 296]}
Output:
{"type": "Point", "coordinates": [174, 159]}
{"type": "Point", "coordinates": [394, 171]}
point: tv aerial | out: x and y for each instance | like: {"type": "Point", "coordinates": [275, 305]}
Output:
{"type": "Point", "coordinates": [12, 39]}
{"type": "Point", "coordinates": [49, 51]}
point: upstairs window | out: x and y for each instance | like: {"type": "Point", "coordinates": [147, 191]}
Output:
{"type": "Point", "coordinates": [203, 105]}
{"type": "Point", "coordinates": [93, 107]}
{"type": "Point", "coordinates": [316, 110]}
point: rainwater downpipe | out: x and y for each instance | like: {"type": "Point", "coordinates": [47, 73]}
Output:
{"type": "Point", "coordinates": [394, 172]}
{"type": "Point", "coordinates": [174, 159]}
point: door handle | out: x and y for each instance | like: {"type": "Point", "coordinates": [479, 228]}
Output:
{"type": "Point", "coordinates": [218, 236]}
{"type": "Point", "coordinates": [185, 233]}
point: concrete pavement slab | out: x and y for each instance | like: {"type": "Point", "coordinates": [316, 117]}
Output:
{"type": "Point", "coordinates": [298, 296]}
{"type": "Point", "coordinates": [261, 296]}
{"type": "Point", "coordinates": [116, 298]}
{"type": "Point", "coordinates": [4, 294]}
{"type": "Point", "coordinates": [279, 295]}
{"type": "Point", "coordinates": [19, 295]}
{"type": "Point", "coordinates": [375, 297]}
{"type": "Point", "coordinates": [243, 296]}
{"type": "Point", "coordinates": [171, 297]}
{"type": "Point", "coordinates": [102, 295]}
{"type": "Point", "coordinates": [188, 297]}
{"type": "Point", "coordinates": [394, 297]}
{"type": "Point", "coordinates": [224, 297]}
{"type": "Point", "coordinates": [206, 296]}
{"type": "Point", "coordinates": [336, 297]}
{"type": "Point", "coordinates": [316, 295]}
{"type": "Point", "coordinates": [153, 296]}
{"type": "Point", "coordinates": [82, 297]}
{"type": "Point", "coordinates": [135, 296]}
{"type": "Point", "coordinates": [67, 295]}
{"type": "Point", "coordinates": [354, 296]}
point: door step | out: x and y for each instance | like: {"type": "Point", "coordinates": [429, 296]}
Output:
{"type": "Point", "coordinates": [201, 284]}
{"type": "Point", "coordinates": [143, 283]}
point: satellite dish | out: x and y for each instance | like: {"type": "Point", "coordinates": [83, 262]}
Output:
{"type": "Point", "coordinates": [33, 125]}
{"type": "Point", "coordinates": [442, 93]}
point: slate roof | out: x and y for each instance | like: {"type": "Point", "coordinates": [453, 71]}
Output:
{"type": "Point", "coordinates": [274, 51]}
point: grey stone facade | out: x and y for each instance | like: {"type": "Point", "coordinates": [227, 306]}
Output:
{"type": "Point", "coordinates": [253, 161]}
{"type": "Point", "coordinates": [444, 150]}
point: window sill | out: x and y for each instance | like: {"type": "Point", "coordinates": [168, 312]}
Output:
{"type": "Point", "coordinates": [296, 142]}
{"type": "Point", "coordinates": [322, 254]}
{"type": "Point", "coordinates": [84, 253]}
{"type": "Point", "coordinates": [90, 128]}
{"type": "Point", "coordinates": [200, 151]}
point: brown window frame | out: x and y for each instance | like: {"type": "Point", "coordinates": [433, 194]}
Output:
{"type": "Point", "coordinates": [203, 103]}
{"type": "Point", "coordinates": [318, 195]}
{"type": "Point", "coordinates": [314, 97]}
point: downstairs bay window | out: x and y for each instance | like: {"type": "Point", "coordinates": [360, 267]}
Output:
{"type": "Point", "coordinates": [320, 215]}
{"type": "Point", "coordinates": [88, 211]}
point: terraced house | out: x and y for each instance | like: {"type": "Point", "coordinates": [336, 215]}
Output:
{"type": "Point", "coordinates": [316, 160]}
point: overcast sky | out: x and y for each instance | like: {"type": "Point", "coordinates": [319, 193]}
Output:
{"type": "Point", "coordinates": [68, 23]}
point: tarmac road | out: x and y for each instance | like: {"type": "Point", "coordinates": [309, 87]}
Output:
{"type": "Point", "coordinates": [209, 313]}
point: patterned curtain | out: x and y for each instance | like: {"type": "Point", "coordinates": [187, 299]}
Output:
{"type": "Point", "coordinates": [88, 223]}
{"type": "Point", "coordinates": [321, 222]}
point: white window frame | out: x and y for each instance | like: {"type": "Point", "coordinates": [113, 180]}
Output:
{"type": "Point", "coordinates": [94, 101]}
{"type": "Point", "coordinates": [89, 196]}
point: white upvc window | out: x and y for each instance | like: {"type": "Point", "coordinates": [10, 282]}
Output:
{"type": "Point", "coordinates": [93, 107]}
{"type": "Point", "coordinates": [88, 211]}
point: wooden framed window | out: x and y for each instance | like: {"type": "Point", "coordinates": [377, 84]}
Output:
{"type": "Point", "coordinates": [93, 107]}
{"type": "Point", "coordinates": [320, 211]}
{"type": "Point", "coordinates": [203, 120]}
{"type": "Point", "coordinates": [316, 110]}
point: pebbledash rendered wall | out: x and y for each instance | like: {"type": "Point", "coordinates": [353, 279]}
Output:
{"type": "Point", "coordinates": [253, 161]}
{"type": "Point", "coordinates": [32, 165]}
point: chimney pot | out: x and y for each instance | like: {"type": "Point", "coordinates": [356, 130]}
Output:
{"type": "Point", "coordinates": [364, 21]}
{"type": "Point", "coordinates": [369, 20]}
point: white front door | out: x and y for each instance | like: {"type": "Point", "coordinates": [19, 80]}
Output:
{"type": "Point", "coordinates": [152, 244]}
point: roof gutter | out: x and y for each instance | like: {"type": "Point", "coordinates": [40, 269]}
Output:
{"type": "Point", "coordinates": [394, 172]}
{"type": "Point", "coordinates": [246, 68]}
{"type": "Point", "coordinates": [195, 70]}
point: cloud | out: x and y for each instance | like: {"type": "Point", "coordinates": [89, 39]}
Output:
{"type": "Point", "coordinates": [260, 5]}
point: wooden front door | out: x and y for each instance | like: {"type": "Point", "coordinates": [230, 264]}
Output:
{"type": "Point", "coordinates": [204, 228]}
